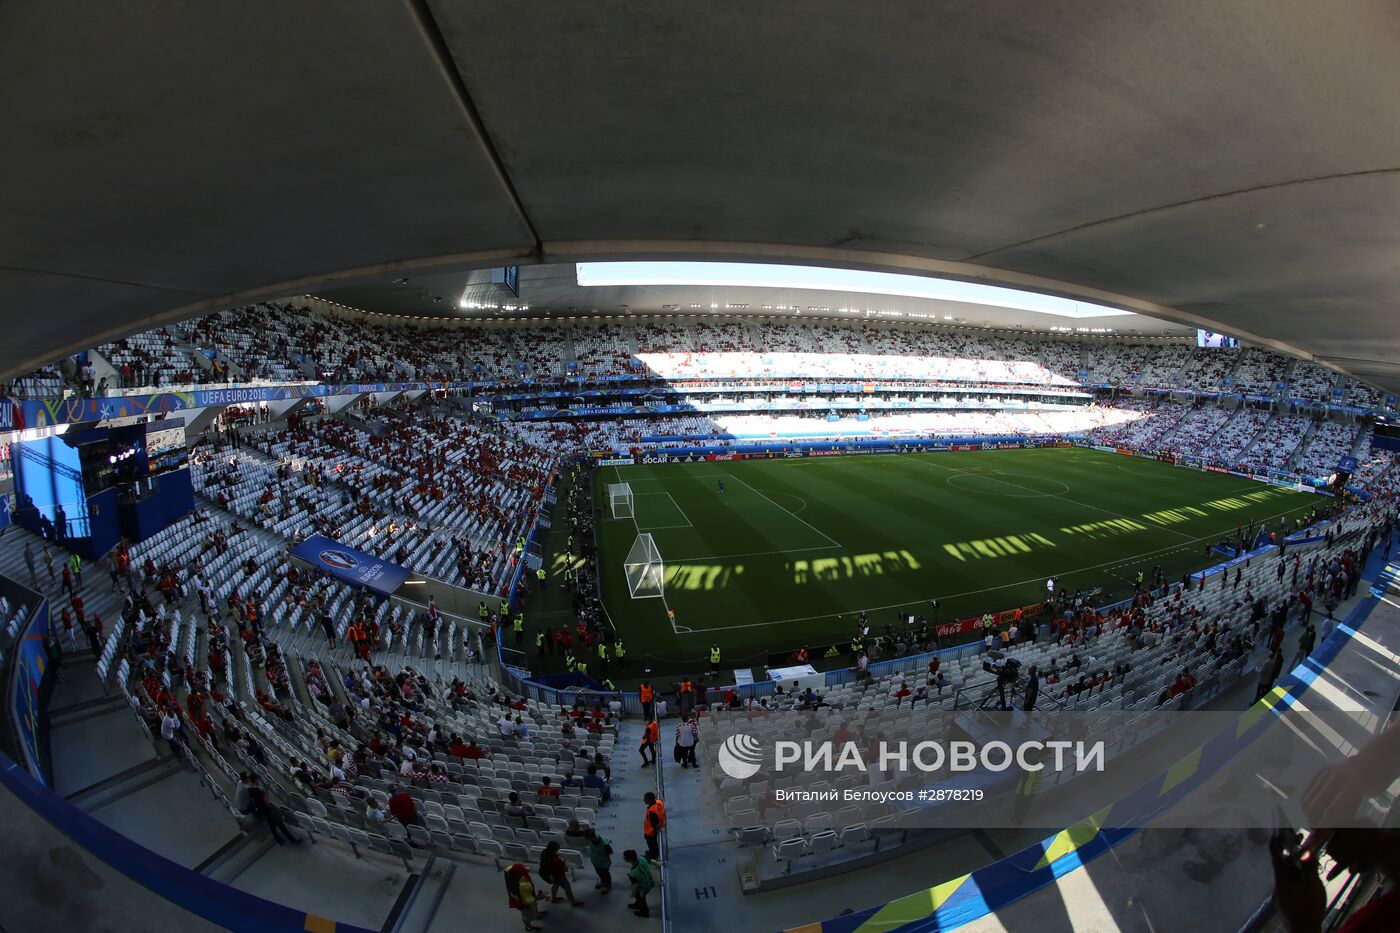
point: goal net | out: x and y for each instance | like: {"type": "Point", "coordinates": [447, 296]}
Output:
{"type": "Point", "coordinates": [620, 498]}
{"type": "Point", "coordinates": [645, 573]}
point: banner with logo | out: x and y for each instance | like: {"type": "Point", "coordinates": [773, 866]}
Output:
{"type": "Point", "coordinates": [353, 566]}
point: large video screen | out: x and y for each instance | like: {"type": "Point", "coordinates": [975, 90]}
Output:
{"type": "Point", "coordinates": [1386, 435]}
{"type": "Point", "coordinates": [165, 446]}
{"type": "Point", "coordinates": [49, 481]}
{"type": "Point", "coordinates": [1210, 338]}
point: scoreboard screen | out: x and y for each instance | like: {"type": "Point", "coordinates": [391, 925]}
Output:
{"type": "Point", "coordinates": [1386, 435]}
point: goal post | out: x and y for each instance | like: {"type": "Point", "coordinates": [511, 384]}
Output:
{"type": "Point", "coordinates": [646, 575]}
{"type": "Point", "coordinates": [620, 500]}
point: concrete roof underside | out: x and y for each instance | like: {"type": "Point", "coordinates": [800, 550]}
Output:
{"type": "Point", "coordinates": [1234, 165]}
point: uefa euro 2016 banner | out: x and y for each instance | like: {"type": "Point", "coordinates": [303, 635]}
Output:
{"type": "Point", "coordinates": [350, 565]}
{"type": "Point", "coordinates": [38, 413]}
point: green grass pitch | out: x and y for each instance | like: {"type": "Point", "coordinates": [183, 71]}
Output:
{"type": "Point", "coordinates": [793, 548]}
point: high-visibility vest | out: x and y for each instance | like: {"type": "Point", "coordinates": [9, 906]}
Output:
{"type": "Point", "coordinates": [540, 573]}
{"type": "Point", "coordinates": [603, 650]}
{"type": "Point", "coordinates": [608, 684]}
{"type": "Point", "coordinates": [645, 691]}
{"type": "Point", "coordinates": [714, 655]}
{"type": "Point", "coordinates": [483, 612]}
{"type": "Point", "coordinates": [659, 809]}
{"type": "Point", "coordinates": [539, 639]}
{"type": "Point", "coordinates": [652, 733]}
{"type": "Point", "coordinates": [569, 662]}
{"type": "Point", "coordinates": [581, 665]}
{"type": "Point", "coordinates": [519, 624]}
{"type": "Point", "coordinates": [618, 651]}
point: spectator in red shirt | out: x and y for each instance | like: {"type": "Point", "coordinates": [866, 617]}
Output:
{"type": "Point", "coordinates": [402, 807]}
{"type": "Point", "coordinates": [900, 694]}
{"type": "Point", "coordinates": [547, 790]}
{"type": "Point", "coordinates": [1184, 682]}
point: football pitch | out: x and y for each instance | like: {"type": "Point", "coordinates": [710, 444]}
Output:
{"type": "Point", "coordinates": [791, 549]}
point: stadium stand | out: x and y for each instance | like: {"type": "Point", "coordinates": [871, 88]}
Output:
{"type": "Point", "coordinates": [1326, 446]}
{"type": "Point", "coordinates": [1259, 371]}
{"type": "Point", "coordinates": [1276, 445]}
{"type": "Point", "coordinates": [403, 734]}
{"type": "Point", "coordinates": [1232, 440]}
{"type": "Point", "coordinates": [1198, 429]}
{"type": "Point", "coordinates": [1311, 381]}
{"type": "Point", "coordinates": [289, 342]}
{"type": "Point", "coordinates": [154, 359]}
{"type": "Point", "coordinates": [44, 382]}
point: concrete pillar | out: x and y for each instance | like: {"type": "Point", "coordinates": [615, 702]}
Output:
{"type": "Point", "coordinates": [338, 403]}
{"type": "Point", "coordinates": [279, 410]}
{"type": "Point", "coordinates": [197, 419]}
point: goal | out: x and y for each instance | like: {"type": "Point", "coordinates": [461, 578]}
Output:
{"type": "Point", "coordinates": [620, 498]}
{"type": "Point", "coordinates": [645, 572]}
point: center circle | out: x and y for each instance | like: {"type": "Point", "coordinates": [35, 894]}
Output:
{"type": "Point", "coordinates": [1018, 488]}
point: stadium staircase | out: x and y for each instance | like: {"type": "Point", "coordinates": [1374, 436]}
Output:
{"type": "Point", "coordinates": [1210, 441]}
{"type": "Point", "coordinates": [198, 361]}
{"type": "Point", "coordinates": [1178, 378]}
{"type": "Point", "coordinates": [102, 368]}
{"type": "Point", "coordinates": [1243, 455]}
{"type": "Point", "coordinates": [1171, 431]}
{"type": "Point", "coordinates": [569, 352]}
{"type": "Point", "coordinates": [202, 362]}
{"type": "Point", "coordinates": [1297, 453]}
{"type": "Point", "coordinates": [1360, 441]}
{"type": "Point", "coordinates": [1233, 374]}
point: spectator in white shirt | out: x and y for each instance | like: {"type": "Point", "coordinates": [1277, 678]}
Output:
{"type": "Point", "coordinates": [170, 730]}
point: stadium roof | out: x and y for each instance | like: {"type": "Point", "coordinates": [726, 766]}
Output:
{"type": "Point", "coordinates": [1235, 165]}
{"type": "Point", "coordinates": [624, 289]}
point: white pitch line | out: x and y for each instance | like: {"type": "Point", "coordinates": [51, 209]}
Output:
{"type": "Point", "coordinates": [679, 509]}
{"type": "Point", "coordinates": [804, 521]}
{"type": "Point", "coordinates": [991, 589]}
{"type": "Point", "coordinates": [663, 492]}
{"type": "Point", "coordinates": [1086, 505]}
{"type": "Point", "coordinates": [799, 550]}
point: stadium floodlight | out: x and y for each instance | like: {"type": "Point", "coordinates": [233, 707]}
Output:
{"type": "Point", "coordinates": [620, 500]}
{"type": "Point", "coordinates": [646, 575]}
